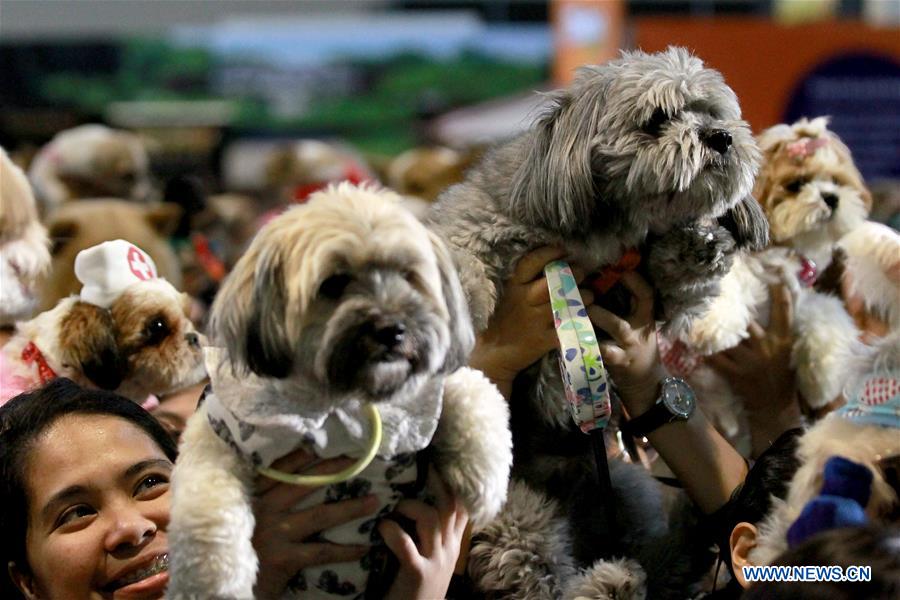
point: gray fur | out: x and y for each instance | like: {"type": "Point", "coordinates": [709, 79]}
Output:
{"type": "Point", "coordinates": [623, 158]}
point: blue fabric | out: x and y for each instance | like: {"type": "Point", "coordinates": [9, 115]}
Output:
{"type": "Point", "coordinates": [841, 503]}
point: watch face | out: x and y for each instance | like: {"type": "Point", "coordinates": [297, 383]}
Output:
{"type": "Point", "coordinates": [678, 397]}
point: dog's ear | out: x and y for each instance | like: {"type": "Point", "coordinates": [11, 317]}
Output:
{"type": "Point", "coordinates": [268, 346]}
{"type": "Point", "coordinates": [462, 335]}
{"type": "Point", "coordinates": [554, 185]}
{"type": "Point", "coordinates": [87, 338]}
{"type": "Point", "coordinates": [61, 232]}
{"type": "Point", "coordinates": [249, 316]}
{"type": "Point", "coordinates": [747, 223]}
{"type": "Point", "coordinates": [164, 218]}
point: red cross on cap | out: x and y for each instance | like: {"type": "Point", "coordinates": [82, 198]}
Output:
{"type": "Point", "coordinates": [138, 264]}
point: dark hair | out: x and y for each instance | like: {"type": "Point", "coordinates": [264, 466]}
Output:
{"type": "Point", "coordinates": [752, 500]}
{"type": "Point", "coordinates": [22, 420]}
{"type": "Point", "coordinates": [877, 547]}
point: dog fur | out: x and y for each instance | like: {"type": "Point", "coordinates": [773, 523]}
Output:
{"type": "Point", "coordinates": [425, 172]}
{"type": "Point", "coordinates": [90, 161]}
{"type": "Point", "coordinates": [872, 268]}
{"type": "Point", "coordinates": [296, 317]}
{"type": "Point", "coordinates": [143, 344]}
{"type": "Point", "coordinates": [813, 195]}
{"type": "Point", "coordinates": [834, 435]}
{"type": "Point", "coordinates": [648, 150]}
{"type": "Point", "coordinates": [77, 226]}
{"type": "Point", "coordinates": [24, 254]}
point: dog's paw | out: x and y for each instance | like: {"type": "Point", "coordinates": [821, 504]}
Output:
{"type": "Point", "coordinates": [621, 579]}
{"type": "Point", "coordinates": [691, 253]}
{"type": "Point", "coordinates": [473, 443]}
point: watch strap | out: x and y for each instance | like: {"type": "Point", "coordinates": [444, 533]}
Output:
{"type": "Point", "coordinates": [656, 417]}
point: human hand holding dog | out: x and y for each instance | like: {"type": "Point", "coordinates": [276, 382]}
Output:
{"type": "Point", "coordinates": [280, 533]}
{"type": "Point", "coordinates": [632, 356]}
{"type": "Point", "coordinates": [705, 463]}
{"type": "Point", "coordinates": [521, 329]}
{"type": "Point", "coordinates": [427, 567]}
{"type": "Point", "coordinates": [759, 370]}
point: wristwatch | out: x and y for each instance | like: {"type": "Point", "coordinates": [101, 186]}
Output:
{"type": "Point", "coordinates": [676, 402]}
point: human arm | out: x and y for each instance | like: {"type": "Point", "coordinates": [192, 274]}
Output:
{"type": "Point", "coordinates": [708, 467]}
{"type": "Point", "coordinates": [759, 371]}
{"type": "Point", "coordinates": [426, 567]}
{"type": "Point", "coordinates": [521, 329]}
{"type": "Point", "coordinates": [280, 535]}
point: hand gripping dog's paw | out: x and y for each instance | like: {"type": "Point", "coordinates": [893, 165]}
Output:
{"type": "Point", "coordinates": [686, 264]}
{"type": "Point", "coordinates": [473, 443]}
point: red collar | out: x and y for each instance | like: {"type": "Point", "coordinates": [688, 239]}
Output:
{"type": "Point", "coordinates": [610, 275]}
{"type": "Point", "coordinates": [31, 353]}
{"type": "Point", "coordinates": [808, 272]}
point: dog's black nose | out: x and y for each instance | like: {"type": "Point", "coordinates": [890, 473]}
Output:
{"type": "Point", "coordinates": [830, 199]}
{"type": "Point", "coordinates": [718, 139]}
{"type": "Point", "coordinates": [192, 339]}
{"type": "Point", "coordinates": [389, 336]}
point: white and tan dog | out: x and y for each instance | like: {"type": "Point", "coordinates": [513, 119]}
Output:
{"type": "Point", "coordinates": [813, 195]}
{"type": "Point", "coordinates": [339, 305]}
{"type": "Point", "coordinates": [126, 333]}
{"type": "Point", "coordinates": [90, 161]}
{"type": "Point", "coordinates": [24, 253]}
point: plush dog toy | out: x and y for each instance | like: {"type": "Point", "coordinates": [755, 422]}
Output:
{"type": "Point", "coordinates": [24, 254]}
{"type": "Point", "coordinates": [90, 161]}
{"type": "Point", "coordinates": [344, 317]}
{"type": "Point", "coordinates": [645, 152]}
{"type": "Point", "coordinates": [127, 331]}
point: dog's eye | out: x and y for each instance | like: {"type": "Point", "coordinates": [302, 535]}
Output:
{"type": "Point", "coordinates": [795, 185]}
{"type": "Point", "coordinates": [657, 120]}
{"type": "Point", "coordinates": [155, 331]}
{"type": "Point", "coordinates": [334, 286]}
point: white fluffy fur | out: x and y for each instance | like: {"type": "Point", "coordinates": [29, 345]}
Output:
{"type": "Point", "coordinates": [873, 269]}
{"type": "Point", "coordinates": [211, 553]}
{"type": "Point", "coordinates": [473, 445]}
{"type": "Point", "coordinates": [43, 330]}
{"type": "Point", "coordinates": [23, 244]}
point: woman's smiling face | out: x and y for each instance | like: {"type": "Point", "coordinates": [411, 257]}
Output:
{"type": "Point", "coordinates": [98, 510]}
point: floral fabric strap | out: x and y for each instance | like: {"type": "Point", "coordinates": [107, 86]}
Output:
{"type": "Point", "coordinates": [584, 376]}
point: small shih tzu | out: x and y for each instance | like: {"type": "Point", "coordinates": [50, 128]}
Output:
{"type": "Point", "coordinates": [127, 331]}
{"type": "Point", "coordinates": [90, 161]}
{"type": "Point", "coordinates": [648, 151]}
{"type": "Point", "coordinates": [344, 318]}
{"type": "Point", "coordinates": [813, 195]}
{"type": "Point", "coordinates": [24, 253]}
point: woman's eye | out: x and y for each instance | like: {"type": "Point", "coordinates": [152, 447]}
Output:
{"type": "Point", "coordinates": [657, 120]}
{"type": "Point", "coordinates": [795, 186]}
{"type": "Point", "coordinates": [74, 513]}
{"type": "Point", "coordinates": [150, 483]}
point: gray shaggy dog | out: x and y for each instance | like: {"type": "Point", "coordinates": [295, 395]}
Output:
{"type": "Point", "coordinates": [646, 151]}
